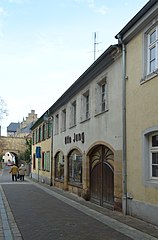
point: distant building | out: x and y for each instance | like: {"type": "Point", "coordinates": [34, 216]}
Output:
{"type": "Point", "coordinates": [9, 158]}
{"type": "Point", "coordinates": [12, 129]}
{"type": "Point", "coordinates": [22, 129]}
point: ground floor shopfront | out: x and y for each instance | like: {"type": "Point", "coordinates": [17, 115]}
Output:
{"type": "Point", "coordinates": [95, 174]}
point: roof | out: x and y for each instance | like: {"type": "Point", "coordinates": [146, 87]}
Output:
{"type": "Point", "coordinates": [27, 129]}
{"type": "Point", "coordinates": [13, 127]}
{"type": "Point", "coordinates": [103, 62]}
{"type": "Point", "coordinates": [137, 17]}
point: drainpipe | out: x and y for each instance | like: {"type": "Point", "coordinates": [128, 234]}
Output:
{"type": "Point", "coordinates": [47, 118]}
{"type": "Point", "coordinates": [51, 170]}
{"type": "Point", "coordinates": [124, 124]}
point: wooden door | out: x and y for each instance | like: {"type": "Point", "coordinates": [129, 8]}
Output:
{"type": "Point", "coordinates": [101, 176]}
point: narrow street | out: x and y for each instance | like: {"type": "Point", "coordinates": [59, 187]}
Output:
{"type": "Point", "coordinates": [32, 211]}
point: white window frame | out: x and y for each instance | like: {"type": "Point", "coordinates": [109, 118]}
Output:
{"type": "Point", "coordinates": [150, 46]}
{"type": "Point", "coordinates": [85, 106]}
{"type": "Point", "coordinates": [147, 178]}
{"type": "Point", "coordinates": [63, 120]}
{"type": "Point", "coordinates": [101, 96]}
{"type": "Point", "coordinates": [73, 113]}
{"type": "Point", "coordinates": [153, 149]}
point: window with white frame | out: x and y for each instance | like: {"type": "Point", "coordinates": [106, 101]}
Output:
{"type": "Point", "coordinates": [63, 120]}
{"type": "Point", "coordinates": [56, 123]}
{"type": "Point", "coordinates": [101, 96]}
{"type": "Point", "coordinates": [153, 50]}
{"type": "Point", "coordinates": [73, 114]}
{"type": "Point", "coordinates": [154, 156]}
{"type": "Point", "coordinates": [85, 106]}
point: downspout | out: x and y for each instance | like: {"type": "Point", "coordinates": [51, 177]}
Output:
{"type": "Point", "coordinates": [124, 160]}
{"type": "Point", "coordinates": [52, 143]}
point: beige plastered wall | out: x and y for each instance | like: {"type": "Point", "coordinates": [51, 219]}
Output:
{"type": "Point", "coordinates": [141, 113]}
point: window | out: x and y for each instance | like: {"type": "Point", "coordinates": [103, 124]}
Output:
{"type": "Point", "coordinates": [59, 166]}
{"type": "Point", "coordinates": [150, 52]}
{"type": "Point", "coordinates": [37, 138]}
{"type": "Point", "coordinates": [33, 137]}
{"type": "Point", "coordinates": [85, 114]}
{"type": "Point", "coordinates": [63, 123]}
{"type": "Point", "coordinates": [75, 167]}
{"type": "Point", "coordinates": [40, 134]}
{"type": "Point", "coordinates": [47, 161]}
{"type": "Point", "coordinates": [57, 124]}
{"type": "Point", "coordinates": [34, 161]}
{"type": "Point", "coordinates": [42, 161]}
{"type": "Point", "coordinates": [44, 132]}
{"type": "Point", "coordinates": [153, 50]}
{"type": "Point", "coordinates": [73, 114]}
{"type": "Point", "coordinates": [50, 126]}
{"type": "Point", "coordinates": [101, 96]}
{"type": "Point", "coordinates": [150, 156]}
{"type": "Point", "coordinates": [154, 156]}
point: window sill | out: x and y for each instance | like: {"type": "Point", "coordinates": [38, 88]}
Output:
{"type": "Point", "coordinates": [148, 77]}
{"type": "Point", "coordinates": [59, 180]}
{"type": "Point", "coordinates": [153, 182]}
{"type": "Point", "coordinates": [72, 126]}
{"type": "Point", "coordinates": [63, 130]}
{"type": "Point", "coordinates": [85, 120]}
{"type": "Point", "coordinates": [75, 184]}
{"type": "Point", "coordinates": [56, 134]}
{"type": "Point", "coordinates": [97, 114]}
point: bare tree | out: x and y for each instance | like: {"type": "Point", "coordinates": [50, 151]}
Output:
{"type": "Point", "coordinates": [3, 109]}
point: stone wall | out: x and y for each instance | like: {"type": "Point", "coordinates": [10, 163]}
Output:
{"type": "Point", "coordinates": [16, 145]}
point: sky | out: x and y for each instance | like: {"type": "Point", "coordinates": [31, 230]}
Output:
{"type": "Point", "coordinates": [46, 45]}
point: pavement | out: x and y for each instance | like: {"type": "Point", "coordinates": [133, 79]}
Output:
{"type": "Point", "coordinates": [35, 211]}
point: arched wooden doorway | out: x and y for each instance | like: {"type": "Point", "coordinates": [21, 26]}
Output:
{"type": "Point", "coordinates": [102, 176]}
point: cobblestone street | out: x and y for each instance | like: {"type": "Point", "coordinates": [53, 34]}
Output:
{"type": "Point", "coordinates": [33, 211]}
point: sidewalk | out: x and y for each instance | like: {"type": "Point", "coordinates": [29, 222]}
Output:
{"type": "Point", "coordinates": [129, 226]}
{"type": "Point", "coordinates": [132, 222]}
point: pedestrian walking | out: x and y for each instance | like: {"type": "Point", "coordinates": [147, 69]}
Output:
{"type": "Point", "coordinates": [22, 171]}
{"type": "Point", "coordinates": [14, 171]}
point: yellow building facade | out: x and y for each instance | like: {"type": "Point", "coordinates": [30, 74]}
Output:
{"type": "Point", "coordinates": [41, 151]}
{"type": "Point", "coordinates": [139, 39]}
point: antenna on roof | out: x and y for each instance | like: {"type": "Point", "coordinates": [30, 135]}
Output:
{"type": "Point", "coordinates": [95, 43]}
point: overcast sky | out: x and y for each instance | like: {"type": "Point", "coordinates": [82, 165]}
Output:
{"type": "Point", "coordinates": [45, 45]}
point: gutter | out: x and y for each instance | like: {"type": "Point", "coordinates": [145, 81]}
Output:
{"type": "Point", "coordinates": [137, 17]}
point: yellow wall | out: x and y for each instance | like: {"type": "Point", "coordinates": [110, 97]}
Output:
{"type": "Point", "coordinates": [45, 146]}
{"type": "Point", "coordinates": [142, 113]}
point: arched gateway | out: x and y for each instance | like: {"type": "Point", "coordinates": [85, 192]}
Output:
{"type": "Point", "coordinates": [102, 176]}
